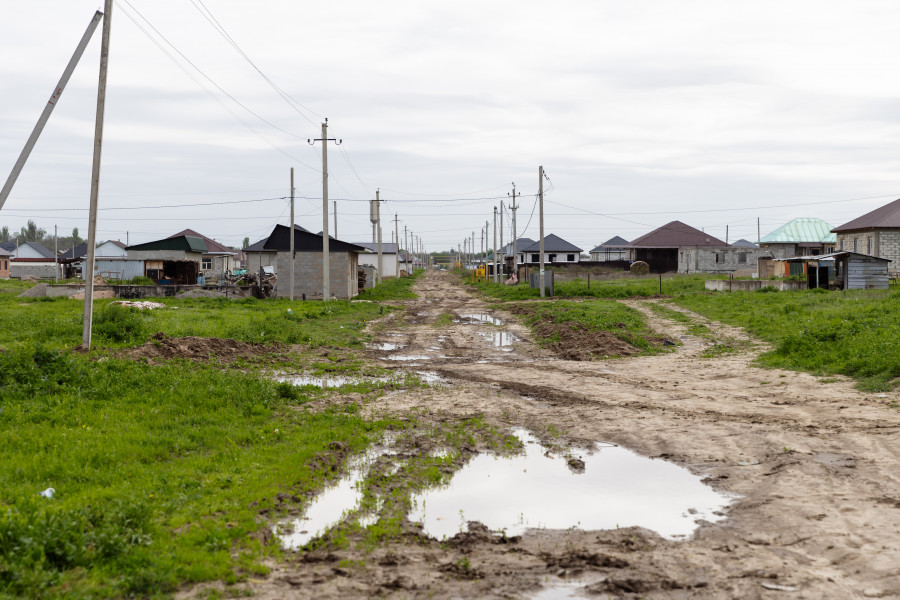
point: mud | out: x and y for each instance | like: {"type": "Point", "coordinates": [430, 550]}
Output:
{"type": "Point", "coordinates": [162, 347]}
{"type": "Point", "coordinates": [813, 465]}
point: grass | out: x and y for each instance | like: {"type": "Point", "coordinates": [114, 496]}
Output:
{"type": "Point", "coordinates": [851, 333]}
{"type": "Point", "coordinates": [160, 472]}
{"type": "Point", "coordinates": [395, 288]}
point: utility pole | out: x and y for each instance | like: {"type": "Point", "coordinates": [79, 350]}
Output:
{"type": "Point", "coordinates": [56, 253]}
{"type": "Point", "coordinates": [406, 250]}
{"type": "Point", "coordinates": [51, 104]}
{"type": "Point", "coordinates": [335, 219]}
{"type": "Point", "coordinates": [502, 247]}
{"type": "Point", "coordinates": [515, 249]}
{"type": "Point", "coordinates": [293, 253]}
{"type": "Point", "coordinates": [496, 272]}
{"type": "Point", "coordinates": [378, 216]}
{"type": "Point", "coordinates": [726, 235]}
{"type": "Point", "coordinates": [397, 237]}
{"type": "Point", "coordinates": [326, 259]}
{"type": "Point", "coordinates": [95, 179]}
{"type": "Point", "coordinates": [541, 213]}
{"type": "Point", "coordinates": [127, 239]}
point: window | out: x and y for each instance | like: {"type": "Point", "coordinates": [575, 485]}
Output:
{"type": "Point", "coordinates": [742, 257]}
{"type": "Point", "coordinates": [570, 257]}
{"type": "Point", "coordinates": [720, 257]}
{"type": "Point", "coordinates": [869, 246]}
{"type": "Point", "coordinates": [842, 245]}
{"type": "Point", "coordinates": [551, 258]}
{"type": "Point", "coordinates": [535, 258]}
{"type": "Point", "coordinates": [855, 249]}
{"type": "Point", "coordinates": [206, 264]}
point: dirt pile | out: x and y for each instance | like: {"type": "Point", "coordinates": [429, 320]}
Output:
{"type": "Point", "coordinates": [161, 346]}
{"type": "Point", "coordinates": [575, 343]}
{"type": "Point", "coordinates": [38, 291]}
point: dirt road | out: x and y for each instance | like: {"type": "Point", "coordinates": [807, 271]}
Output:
{"type": "Point", "coordinates": [815, 466]}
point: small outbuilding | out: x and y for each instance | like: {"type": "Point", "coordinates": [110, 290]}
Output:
{"type": "Point", "coordinates": [174, 260]}
{"type": "Point", "coordinates": [840, 270]}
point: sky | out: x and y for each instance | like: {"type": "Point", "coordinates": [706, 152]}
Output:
{"type": "Point", "coordinates": [731, 117]}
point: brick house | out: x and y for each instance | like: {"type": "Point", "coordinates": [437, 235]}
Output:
{"type": "Point", "coordinates": [876, 233]}
{"type": "Point", "coordinates": [274, 251]}
{"type": "Point", "coordinates": [803, 236]}
{"type": "Point", "coordinates": [5, 255]}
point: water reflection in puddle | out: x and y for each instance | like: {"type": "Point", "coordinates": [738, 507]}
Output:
{"type": "Point", "coordinates": [483, 317]}
{"type": "Point", "coordinates": [500, 339]}
{"type": "Point", "coordinates": [329, 381]}
{"type": "Point", "coordinates": [384, 346]}
{"type": "Point", "coordinates": [408, 357]}
{"type": "Point", "coordinates": [430, 377]}
{"type": "Point", "coordinates": [617, 488]}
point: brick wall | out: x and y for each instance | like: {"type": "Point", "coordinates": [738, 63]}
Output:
{"type": "Point", "coordinates": [885, 243]}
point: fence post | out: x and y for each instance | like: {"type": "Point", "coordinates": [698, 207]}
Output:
{"type": "Point", "coordinates": [660, 284]}
{"type": "Point", "coordinates": [589, 281]}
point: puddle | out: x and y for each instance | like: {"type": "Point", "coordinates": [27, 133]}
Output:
{"type": "Point", "coordinates": [384, 346]}
{"type": "Point", "coordinates": [430, 377]}
{"type": "Point", "coordinates": [330, 381]}
{"type": "Point", "coordinates": [500, 339]}
{"type": "Point", "coordinates": [483, 318]}
{"type": "Point", "coordinates": [408, 357]}
{"type": "Point", "coordinates": [616, 488]}
{"type": "Point", "coordinates": [559, 588]}
{"type": "Point", "coordinates": [328, 508]}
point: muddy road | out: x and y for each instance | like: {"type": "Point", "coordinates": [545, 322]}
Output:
{"type": "Point", "coordinates": [813, 466]}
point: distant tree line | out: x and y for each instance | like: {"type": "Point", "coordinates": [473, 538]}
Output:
{"type": "Point", "coordinates": [32, 233]}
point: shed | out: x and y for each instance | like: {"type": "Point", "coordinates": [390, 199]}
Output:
{"type": "Point", "coordinates": [170, 260]}
{"type": "Point", "coordinates": [842, 270]}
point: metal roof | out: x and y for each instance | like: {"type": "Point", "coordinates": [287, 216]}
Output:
{"type": "Point", "coordinates": [885, 217]}
{"type": "Point", "coordinates": [613, 243]}
{"type": "Point", "coordinates": [520, 243]}
{"type": "Point", "coordinates": [187, 243]}
{"type": "Point", "coordinates": [829, 256]}
{"type": "Point", "coordinates": [79, 251]}
{"type": "Point", "coordinates": [742, 243]}
{"type": "Point", "coordinates": [552, 243]}
{"type": "Point", "coordinates": [801, 230]}
{"type": "Point", "coordinates": [676, 235]}
{"type": "Point", "coordinates": [212, 246]}
{"type": "Point", "coordinates": [386, 247]}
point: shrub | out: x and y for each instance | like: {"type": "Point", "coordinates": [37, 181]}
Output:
{"type": "Point", "coordinates": [118, 324]}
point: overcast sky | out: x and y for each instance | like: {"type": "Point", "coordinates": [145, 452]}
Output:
{"type": "Point", "coordinates": [714, 113]}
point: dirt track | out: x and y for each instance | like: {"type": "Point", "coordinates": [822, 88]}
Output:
{"type": "Point", "coordinates": [819, 506]}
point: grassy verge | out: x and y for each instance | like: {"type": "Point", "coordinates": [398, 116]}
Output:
{"type": "Point", "coordinates": [160, 472]}
{"type": "Point", "coordinates": [396, 288]}
{"type": "Point", "coordinates": [852, 333]}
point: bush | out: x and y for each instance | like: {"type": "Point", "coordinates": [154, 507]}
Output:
{"type": "Point", "coordinates": [118, 324]}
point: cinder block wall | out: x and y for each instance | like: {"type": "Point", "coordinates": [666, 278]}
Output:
{"type": "Point", "coordinates": [703, 260]}
{"type": "Point", "coordinates": [308, 274]}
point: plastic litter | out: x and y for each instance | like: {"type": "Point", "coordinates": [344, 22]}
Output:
{"type": "Point", "coordinates": [290, 312]}
{"type": "Point", "coordinates": [140, 305]}
{"type": "Point", "coordinates": [779, 588]}
{"type": "Point", "coordinates": [48, 493]}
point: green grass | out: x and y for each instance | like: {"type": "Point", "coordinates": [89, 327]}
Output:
{"type": "Point", "coordinates": [851, 333]}
{"type": "Point", "coordinates": [625, 287]}
{"type": "Point", "coordinates": [14, 287]}
{"type": "Point", "coordinates": [160, 472]}
{"type": "Point", "coordinates": [395, 288]}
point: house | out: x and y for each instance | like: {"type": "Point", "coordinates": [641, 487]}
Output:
{"type": "Point", "coordinates": [556, 250]}
{"type": "Point", "coordinates": [217, 260]}
{"type": "Point", "coordinates": [742, 243]}
{"type": "Point", "coordinates": [611, 249]}
{"type": "Point", "coordinates": [803, 236]}
{"type": "Point", "coordinates": [507, 253]}
{"type": "Point", "coordinates": [840, 270]}
{"type": "Point", "coordinates": [32, 259]}
{"type": "Point", "coordinates": [173, 260]}
{"type": "Point", "coordinates": [679, 247]}
{"type": "Point", "coordinates": [274, 251]}
{"type": "Point", "coordinates": [5, 255]}
{"type": "Point", "coordinates": [390, 260]}
{"type": "Point", "coordinates": [72, 261]}
{"type": "Point", "coordinates": [876, 233]}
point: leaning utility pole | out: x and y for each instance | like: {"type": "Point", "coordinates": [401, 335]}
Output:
{"type": "Point", "coordinates": [397, 238]}
{"type": "Point", "coordinates": [51, 104]}
{"type": "Point", "coordinates": [515, 248]}
{"type": "Point", "coordinates": [378, 216]}
{"type": "Point", "coordinates": [541, 213]}
{"type": "Point", "coordinates": [326, 259]}
{"type": "Point", "coordinates": [95, 180]}
{"type": "Point", "coordinates": [293, 253]}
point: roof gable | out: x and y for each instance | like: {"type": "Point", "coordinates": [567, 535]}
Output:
{"type": "Point", "coordinates": [887, 216]}
{"type": "Point", "coordinates": [552, 243]}
{"type": "Point", "coordinates": [675, 235]}
{"type": "Point", "coordinates": [187, 243]}
{"type": "Point", "coordinates": [79, 251]}
{"type": "Point", "coordinates": [613, 243]}
{"type": "Point", "coordinates": [801, 230]}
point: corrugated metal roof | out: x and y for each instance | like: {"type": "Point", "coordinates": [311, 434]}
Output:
{"type": "Point", "coordinates": [552, 243]}
{"type": "Point", "coordinates": [742, 243]}
{"type": "Point", "coordinates": [386, 247]}
{"type": "Point", "coordinates": [801, 230]}
{"type": "Point", "coordinates": [829, 256]}
{"type": "Point", "coordinates": [676, 235]}
{"type": "Point", "coordinates": [613, 243]}
{"type": "Point", "coordinates": [187, 243]}
{"type": "Point", "coordinates": [520, 243]}
{"type": "Point", "coordinates": [212, 246]}
{"type": "Point", "coordinates": [884, 217]}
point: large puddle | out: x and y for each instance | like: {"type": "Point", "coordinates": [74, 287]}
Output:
{"type": "Point", "coordinates": [482, 318]}
{"type": "Point", "coordinates": [501, 339]}
{"type": "Point", "coordinates": [616, 488]}
{"type": "Point", "coordinates": [330, 381]}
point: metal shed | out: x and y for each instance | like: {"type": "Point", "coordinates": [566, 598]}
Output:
{"type": "Point", "coordinates": [851, 271]}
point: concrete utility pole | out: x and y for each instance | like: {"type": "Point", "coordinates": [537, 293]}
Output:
{"type": "Point", "coordinates": [541, 213]}
{"type": "Point", "coordinates": [515, 248]}
{"type": "Point", "coordinates": [95, 179]}
{"type": "Point", "coordinates": [378, 216]}
{"type": "Point", "coordinates": [335, 219]}
{"type": "Point", "coordinates": [51, 104]}
{"type": "Point", "coordinates": [397, 249]}
{"type": "Point", "coordinates": [56, 253]}
{"type": "Point", "coordinates": [502, 247]}
{"type": "Point", "coordinates": [326, 259]}
{"type": "Point", "coordinates": [496, 271]}
{"type": "Point", "coordinates": [293, 253]}
{"type": "Point", "coordinates": [406, 250]}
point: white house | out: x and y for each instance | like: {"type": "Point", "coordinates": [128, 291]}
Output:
{"type": "Point", "coordinates": [556, 250]}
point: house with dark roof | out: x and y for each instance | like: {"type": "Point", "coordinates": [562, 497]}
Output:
{"type": "Point", "coordinates": [556, 250]}
{"type": "Point", "coordinates": [32, 259]}
{"type": "Point", "coordinates": [611, 249]}
{"type": "Point", "coordinates": [679, 247]}
{"type": "Point", "coordinates": [509, 249]}
{"type": "Point", "coordinates": [742, 243]}
{"type": "Point", "coordinates": [799, 237]}
{"type": "Point", "coordinates": [274, 252]}
{"type": "Point", "coordinates": [876, 233]}
{"type": "Point", "coordinates": [172, 260]}
{"type": "Point", "coordinates": [218, 258]}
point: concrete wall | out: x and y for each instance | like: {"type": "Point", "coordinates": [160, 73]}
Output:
{"type": "Point", "coordinates": [751, 285]}
{"type": "Point", "coordinates": [219, 263]}
{"type": "Point", "coordinates": [132, 292]}
{"type": "Point", "coordinates": [885, 243]}
{"type": "Point", "coordinates": [558, 257]}
{"type": "Point", "coordinates": [118, 269]}
{"type": "Point", "coordinates": [308, 274]}
{"type": "Point", "coordinates": [41, 270]}
{"type": "Point", "coordinates": [717, 260]}
{"type": "Point", "coordinates": [388, 263]}
{"type": "Point", "coordinates": [255, 260]}
{"type": "Point", "coordinates": [604, 256]}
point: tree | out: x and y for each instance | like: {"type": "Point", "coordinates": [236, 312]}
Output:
{"type": "Point", "coordinates": [246, 242]}
{"type": "Point", "coordinates": [75, 239]}
{"type": "Point", "coordinates": [31, 232]}
{"type": "Point", "coordinates": [4, 233]}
